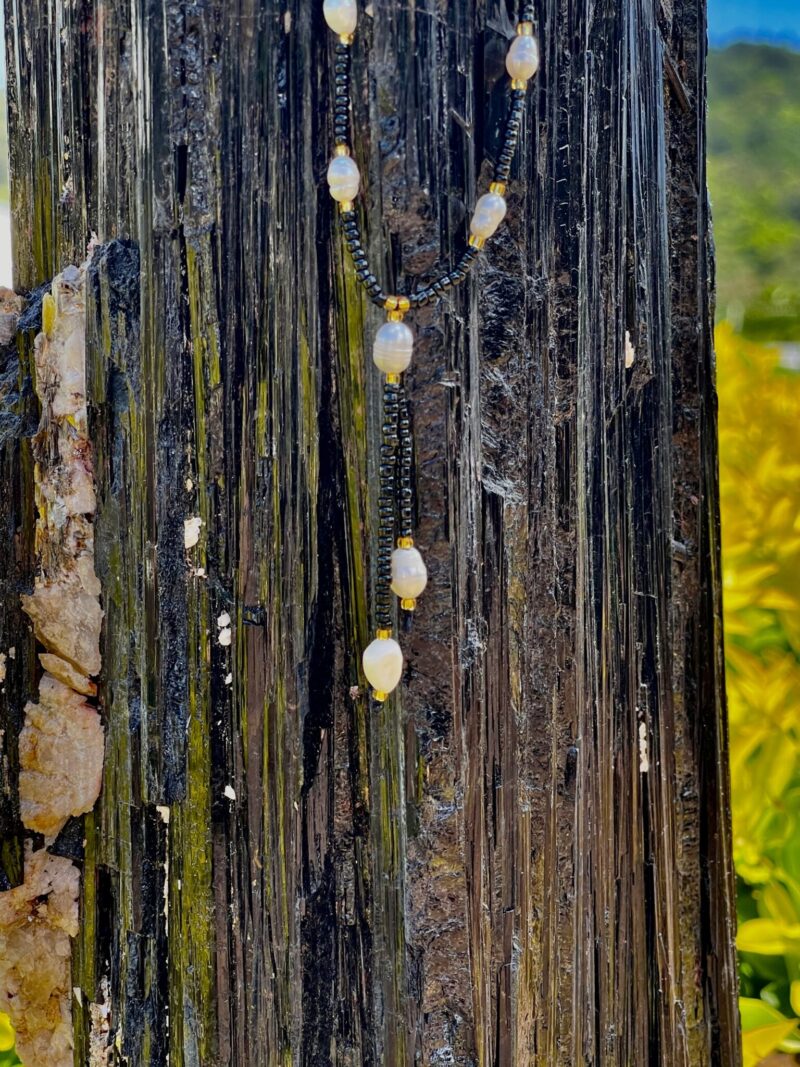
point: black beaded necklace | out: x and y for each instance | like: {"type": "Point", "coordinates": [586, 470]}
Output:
{"type": "Point", "coordinates": [400, 568]}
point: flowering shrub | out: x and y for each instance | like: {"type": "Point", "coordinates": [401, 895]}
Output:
{"type": "Point", "coordinates": [759, 480]}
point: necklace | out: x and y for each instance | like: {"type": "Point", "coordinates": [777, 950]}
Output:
{"type": "Point", "coordinates": [400, 567]}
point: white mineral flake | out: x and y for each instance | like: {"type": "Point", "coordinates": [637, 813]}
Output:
{"type": "Point", "coordinates": [230, 792]}
{"type": "Point", "coordinates": [644, 752]}
{"type": "Point", "coordinates": [630, 351]}
{"type": "Point", "coordinates": [225, 636]}
{"type": "Point", "coordinates": [191, 531]}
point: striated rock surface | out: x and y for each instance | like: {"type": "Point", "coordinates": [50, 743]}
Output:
{"type": "Point", "coordinates": [37, 920]}
{"type": "Point", "coordinates": [60, 757]}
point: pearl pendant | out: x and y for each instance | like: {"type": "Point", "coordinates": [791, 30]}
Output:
{"type": "Point", "coordinates": [409, 573]}
{"type": "Point", "coordinates": [343, 178]}
{"type": "Point", "coordinates": [490, 211]}
{"type": "Point", "coordinates": [522, 60]}
{"type": "Point", "coordinates": [383, 665]}
{"type": "Point", "coordinates": [341, 15]}
{"type": "Point", "coordinates": [394, 343]}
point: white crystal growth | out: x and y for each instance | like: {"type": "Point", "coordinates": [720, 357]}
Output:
{"type": "Point", "coordinates": [409, 573]}
{"type": "Point", "coordinates": [522, 60]}
{"type": "Point", "coordinates": [343, 178]}
{"type": "Point", "coordinates": [391, 352]}
{"type": "Point", "coordinates": [489, 213]}
{"type": "Point", "coordinates": [383, 664]}
{"type": "Point", "coordinates": [341, 15]}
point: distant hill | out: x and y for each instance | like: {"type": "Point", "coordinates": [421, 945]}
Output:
{"type": "Point", "coordinates": [754, 177]}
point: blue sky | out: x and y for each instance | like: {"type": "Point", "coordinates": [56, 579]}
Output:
{"type": "Point", "coordinates": [777, 20]}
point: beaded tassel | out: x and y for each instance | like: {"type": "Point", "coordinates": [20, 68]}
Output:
{"type": "Point", "coordinates": [401, 569]}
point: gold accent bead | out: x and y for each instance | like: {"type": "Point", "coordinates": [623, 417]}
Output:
{"type": "Point", "coordinates": [519, 83]}
{"type": "Point", "coordinates": [341, 150]}
{"type": "Point", "coordinates": [476, 242]}
{"type": "Point", "coordinates": [524, 29]}
{"type": "Point", "coordinates": [383, 635]}
{"type": "Point", "coordinates": [393, 379]}
{"type": "Point", "coordinates": [346, 205]}
{"type": "Point", "coordinates": [405, 542]}
{"type": "Point", "coordinates": [379, 695]}
{"type": "Point", "coordinates": [395, 316]}
{"type": "Point", "coordinates": [397, 303]}
{"type": "Point", "coordinates": [408, 604]}
{"type": "Point", "coordinates": [346, 38]}
{"type": "Point", "coordinates": [498, 187]}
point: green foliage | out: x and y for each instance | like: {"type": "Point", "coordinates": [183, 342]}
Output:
{"type": "Point", "coordinates": [759, 474]}
{"type": "Point", "coordinates": [8, 1056]}
{"type": "Point", "coordinates": [753, 167]}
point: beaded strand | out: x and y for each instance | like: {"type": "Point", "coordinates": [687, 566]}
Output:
{"type": "Point", "coordinates": [400, 567]}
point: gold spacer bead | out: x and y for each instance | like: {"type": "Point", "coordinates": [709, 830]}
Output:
{"type": "Point", "coordinates": [408, 603]}
{"type": "Point", "coordinates": [519, 83]}
{"type": "Point", "coordinates": [395, 316]}
{"type": "Point", "coordinates": [476, 242]}
{"type": "Point", "coordinates": [346, 205]}
{"type": "Point", "coordinates": [341, 150]}
{"type": "Point", "coordinates": [383, 635]}
{"type": "Point", "coordinates": [379, 695]}
{"type": "Point", "coordinates": [498, 187]}
{"type": "Point", "coordinates": [346, 38]}
{"type": "Point", "coordinates": [524, 29]}
{"type": "Point", "coordinates": [391, 303]}
{"type": "Point", "coordinates": [405, 542]}
{"type": "Point", "coordinates": [403, 303]}
{"type": "Point", "coordinates": [392, 378]}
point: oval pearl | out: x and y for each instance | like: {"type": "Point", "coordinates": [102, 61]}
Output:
{"type": "Point", "coordinates": [383, 664]}
{"type": "Point", "coordinates": [392, 349]}
{"type": "Point", "coordinates": [489, 213]}
{"type": "Point", "coordinates": [343, 178]}
{"type": "Point", "coordinates": [522, 60]}
{"type": "Point", "coordinates": [409, 573]}
{"type": "Point", "coordinates": [341, 15]}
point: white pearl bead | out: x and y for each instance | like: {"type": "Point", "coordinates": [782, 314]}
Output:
{"type": "Point", "coordinates": [391, 352]}
{"type": "Point", "coordinates": [341, 15]}
{"type": "Point", "coordinates": [383, 664]}
{"type": "Point", "coordinates": [489, 213]}
{"type": "Point", "coordinates": [522, 60]}
{"type": "Point", "coordinates": [343, 178]}
{"type": "Point", "coordinates": [409, 573]}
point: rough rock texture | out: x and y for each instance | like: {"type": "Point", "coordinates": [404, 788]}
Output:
{"type": "Point", "coordinates": [60, 756]}
{"type": "Point", "coordinates": [11, 307]}
{"type": "Point", "coordinates": [65, 607]}
{"type": "Point", "coordinates": [60, 747]}
{"type": "Point", "coordinates": [37, 920]}
{"type": "Point", "coordinates": [67, 621]}
{"type": "Point", "coordinates": [66, 673]}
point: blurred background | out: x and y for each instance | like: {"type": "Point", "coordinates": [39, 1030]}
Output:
{"type": "Point", "coordinates": [754, 178]}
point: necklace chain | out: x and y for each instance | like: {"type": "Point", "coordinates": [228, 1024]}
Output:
{"type": "Point", "coordinates": [400, 568]}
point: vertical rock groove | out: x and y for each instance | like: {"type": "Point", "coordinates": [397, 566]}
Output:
{"type": "Point", "coordinates": [524, 858]}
